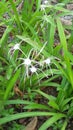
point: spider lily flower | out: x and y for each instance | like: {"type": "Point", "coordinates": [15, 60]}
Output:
{"type": "Point", "coordinates": [16, 47]}
{"type": "Point", "coordinates": [50, 61]}
{"type": "Point", "coordinates": [44, 4]}
{"type": "Point", "coordinates": [47, 61]}
{"type": "Point", "coordinates": [33, 69]}
{"type": "Point", "coordinates": [27, 62]}
{"type": "Point", "coordinates": [45, 1]}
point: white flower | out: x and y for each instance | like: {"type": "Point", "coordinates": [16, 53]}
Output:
{"type": "Point", "coordinates": [16, 46]}
{"type": "Point", "coordinates": [27, 62]}
{"type": "Point", "coordinates": [47, 61]}
{"type": "Point", "coordinates": [45, 1]}
{"type": "Point", "coordinates": [42, 7]}
{"type": "Point", "coordinates": [33, 69]}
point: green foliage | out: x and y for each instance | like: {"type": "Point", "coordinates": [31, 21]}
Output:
{"type": "Point", "coordinates": [10, 84]}
{"type": "Point", "coordinates": [30, 61]}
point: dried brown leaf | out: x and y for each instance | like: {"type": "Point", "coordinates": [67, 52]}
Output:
{"type": "Point", "coordinates": [32, 125]}
{"type": "Point", "coordinates": [17, 91]}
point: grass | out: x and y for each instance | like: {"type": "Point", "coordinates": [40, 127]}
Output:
{"type": "Point", "coordinates": [30, 63]}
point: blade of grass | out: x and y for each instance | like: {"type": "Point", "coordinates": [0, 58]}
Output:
{"type": "Point", "coordinates": [5, 36]}
{"type": "Point", "coordinates": [51, 39]}
{"type": "Point", "coordinates": [70, 56]}
{"type": "Point", "coordinates": [49, 97]}
{"type": "Point", "coordinates": [17, 102]}
{"type": "Point", "coordinates": [70, 41]}
{"type": "Point", "coordinates": [16, 15]}
{"type": "Point", "coordinates": [33, 32]}
{"type": "Point", "coordinates": [37, 106]}
{"type": "Point", "coordinates": [10, 84]}
{"type": "Point", "coordinates": [4, 60]}
{"type": "Point", "coordinates": [64, 125]}
{"type": "Point", "coordinates": [64, 45]}
{"type": "Point", "coordinates": [62, 35]}
{"type": "Point", "coordinates": [62, 70]}
{"type": "Point", "coordinates": [52, 120]}
{"type": "Point", "coordinates": [38, 3]}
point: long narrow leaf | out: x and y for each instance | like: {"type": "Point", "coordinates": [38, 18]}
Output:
{"type": "Point", "coordinates": [16, 14]}
{"type": "Point", "coordinates": [50, 121]}
{"type": "Point", "coordinates": [49, 97]}
{"type": "Point", "coordinates": [64, 45]}
{"type": "Point", "coordinates": [37, 106]}
{"type": "Point", "coordinates": [62, 35]}
{"type": "Point", "coordinates": [23, 115]}
{"type": "Point", "coordinates": [10, 84]}
{"type": "Point", "coordinates": [64, 125]}
{"type": "Point", "coordinates": [5, 36]}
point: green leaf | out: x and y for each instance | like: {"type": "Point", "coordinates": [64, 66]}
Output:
{"type": "Point", "coordinates": [52, 120]}
{"type": "Point", "coordinates": [65, 102]}
{"type": "Point", "coordinates": [70, 56]}
{"type": "Point", "coordinates": [64, 45]}
{"type": "Point", "coordinates": [4, 60]}
{"type": "Point", "coordinates": [61, 9]}
{"type": "Point", "coordinates": [16, 14]}
{"type": "Point", "coordinates": [38, 3]}
{"type": "Point", "coordinates": [5, 36]}
{"type": "Point", "coordinates": [50, 36]}
{"type": "Point", "coordinates": [64, 125]}
{"type": "Point", "coordinates": [63, 71]}
{"type": "Point", "coordinates": [62, 35]}
{"type": "Point", "coordinates": [36, 106]}
{"type": "Point", "coordinates": [17, 102]}
{"type": "Point", "coordinates": [53, 104]}
{"type": "Point", "coordinates": [24, 115]}
{"type": "Point", "coordinates": [10, 84]}
{"type": "Point", "coordinates": [49, 97]}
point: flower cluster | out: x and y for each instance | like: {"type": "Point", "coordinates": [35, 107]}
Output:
{"type": "Point", "coordinates": [31, 64]}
